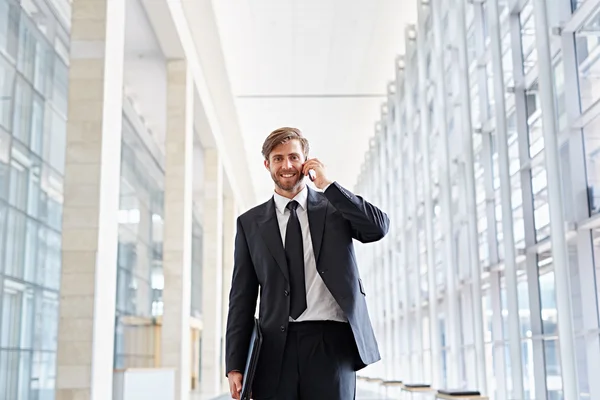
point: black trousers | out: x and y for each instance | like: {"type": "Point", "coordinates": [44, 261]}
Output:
{"type": "Point", "coordinates": [318, 362]}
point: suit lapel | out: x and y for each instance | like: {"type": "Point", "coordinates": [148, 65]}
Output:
{"type": "Point", "coordinates": [269, 230]}
{"type": "Point", "coordinates": [317, 210]}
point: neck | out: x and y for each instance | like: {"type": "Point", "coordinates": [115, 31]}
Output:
{"type": "Point", "coordinates": [290, 194]}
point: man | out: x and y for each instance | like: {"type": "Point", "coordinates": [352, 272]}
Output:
{"type": "Point", "coordinates": [297, 248]}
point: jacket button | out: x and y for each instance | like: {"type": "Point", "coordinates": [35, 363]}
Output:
{"type": "Point", "coordinates": [286, 292]}
{"type": "Point", "coordinates": [282, 328]}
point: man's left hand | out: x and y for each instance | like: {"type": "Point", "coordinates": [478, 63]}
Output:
{"type": "Point", "coordinates": [318, 167]}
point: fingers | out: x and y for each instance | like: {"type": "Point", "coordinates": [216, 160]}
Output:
{"type": "Point", "coordinates": [238, 385]}
{"type": "Point", "coordinates": [235, 387]}
{"type": "Point", "coordinates": [313, 163]}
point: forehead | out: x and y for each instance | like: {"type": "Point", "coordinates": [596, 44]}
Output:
{"type": "Point", "coordinates": [290, 147]}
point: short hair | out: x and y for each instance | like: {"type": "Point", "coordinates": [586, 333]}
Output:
{"type": "Point", "coordinates": [283, 135]}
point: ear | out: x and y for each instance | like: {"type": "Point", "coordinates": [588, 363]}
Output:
{"type": "Point", "coordinates": [267, 165]}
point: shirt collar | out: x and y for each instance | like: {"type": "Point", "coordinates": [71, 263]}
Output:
{"type": "Point", "coordinates": [282, 202]}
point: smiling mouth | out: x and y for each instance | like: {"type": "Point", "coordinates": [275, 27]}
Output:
{"type": "Point", "coordinates": [287, 175]}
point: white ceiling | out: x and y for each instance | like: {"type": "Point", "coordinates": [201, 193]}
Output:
{"type": "Point", "coordinates": [319, 65]}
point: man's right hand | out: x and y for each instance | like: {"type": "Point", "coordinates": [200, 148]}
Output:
{"type": "Point", "coordinates": [235, 384]}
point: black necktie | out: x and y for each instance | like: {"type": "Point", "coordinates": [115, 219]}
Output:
{"type": "Point", "coordinates": [294, 251]}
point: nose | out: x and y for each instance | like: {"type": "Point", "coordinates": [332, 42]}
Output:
{"type": "Point", "coordinates": [287, 164]}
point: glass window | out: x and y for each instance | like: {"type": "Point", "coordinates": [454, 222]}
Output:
{"type": "Point", "coordinates": [596, 238]}
{"type": "Point", "coordinates": [5, 146]}
{"type": "Point", "coordinates": [37, 124]}
{"type": "Point", "coordinates": [23, 111]}
{"type": "Point", "coordinates": [31, 250]}
{"type": "Point", "coordinates": [60, 85]}
{"type": "Point", "coordinates": [15, 244]}
{"type": "Point", "coordinates": [26, 58]}
{"type": "Point", "coordinates": [43, 375]}
{"type": "Point", "coordinates": [19, 182]}
{"type": "Point", "coordinates": [586, 43]}
{"type": "Point", "coordinates": [55, 140]}
{"type": "Point", "coordinates": [3, 227]}
{"type": "Point", "coordinates": [591, 139]}
{"type": "Point", "coordinates": [46, 329]}
{"type": "Point", "coordinates": [9, 28]}
{"type": "Point", "coordinates": [7, 84]}
{"type": "Point", "coordinates": [528, 38]}
{"type": "Point", "coordinates": [42, 57]}
{"type": "Point", "coordinates": [51, 275]}
{"type": "Point", "coordinates": [559, 87]}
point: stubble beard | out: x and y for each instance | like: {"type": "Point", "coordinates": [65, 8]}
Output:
{"type": "Point", "coordinates": [290, 188]}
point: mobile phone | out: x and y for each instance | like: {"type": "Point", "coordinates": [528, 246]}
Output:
{"type": "Point", "coordinates": [311, 175]}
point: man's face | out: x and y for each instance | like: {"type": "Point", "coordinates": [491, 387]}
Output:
{"type": "Point", "coordinates": [285, 164]}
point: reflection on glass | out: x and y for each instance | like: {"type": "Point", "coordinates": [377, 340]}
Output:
{"type": "Point", "coordinates": [30, 200]}
{"type": "Point", "coordinates": [528, 37]}
{"type": "Point", "coordinates": [7, 83]}
{"type": "Point", "coordinates": [553, 369]}
{"type": "Point", "coordinates": [591, 138]}
{"type": "Point", "coordinates": [139, 265]}
{"type": "Point", "coordinates": [586, 44]}
{"type": "Point", "coordinates": [548, 296]}
{"type": "Point", "coordinates": [596, 247]}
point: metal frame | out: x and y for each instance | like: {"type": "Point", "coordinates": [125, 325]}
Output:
{"type": "Point", "coordinates": [531, 259]}
{"type": "Point", "coordinates": [453, 104]}
{"type": "Point", "coordinates": [412, 111]}
{"type": "Point", "coordinates": [510, 267]}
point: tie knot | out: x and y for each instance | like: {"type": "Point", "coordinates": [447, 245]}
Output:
{"type": "Point", "coordinates": [292, 205]}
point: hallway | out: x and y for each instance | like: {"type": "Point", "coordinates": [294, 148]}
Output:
{"type": "Point", "coordinates": [362, 394]}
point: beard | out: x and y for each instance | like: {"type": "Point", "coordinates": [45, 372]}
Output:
{"type": "Point", "coordinates": [289, 184]}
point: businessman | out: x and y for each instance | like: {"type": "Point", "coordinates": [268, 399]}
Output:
{"type": "Point", "coordinates": [296, 251]}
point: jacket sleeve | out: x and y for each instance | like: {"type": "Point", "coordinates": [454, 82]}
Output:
{"type": "Point", "coordinates": [242, 305]}
{"type": "Point", "coordinates": [368, 223]}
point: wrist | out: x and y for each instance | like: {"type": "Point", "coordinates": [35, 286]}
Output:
{"type": "Point", "coordinates": [325, 184]}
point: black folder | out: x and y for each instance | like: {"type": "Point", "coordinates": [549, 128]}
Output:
{"type": "Point", "coordinates": [251, 361]}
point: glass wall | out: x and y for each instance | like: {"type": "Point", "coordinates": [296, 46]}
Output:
{"type": "Point", "coordinates": [33, 98]}
{"type": "Point", "coordinates": [139, 265]}
{"type": "Point", "coordinates": [507, 81]}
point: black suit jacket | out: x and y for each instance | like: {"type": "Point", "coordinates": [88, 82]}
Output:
{"type": "Point", "coordinates": [335, 218]}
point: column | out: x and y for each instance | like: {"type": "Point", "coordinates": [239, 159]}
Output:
{"type": "Point", "coordinates": [412, 109]}
{"type": "Point", "coordinates": [91, 202]}
{"type": "Point", "coordinates": [177, 242]}
{"type": "Point", "coordinates": [401, 224]}
{"type": "Point", "coordinates": [510, 256]}
{"type": "Point", "coordinates": [469, 163]}
{"type": "Point", "coordinates": [555, 203]}
{"type": "Point", "coordinates": [229, 229]}
{"type": "Point", "coordinates": [580, 208]}
{"type": "Point", "coordinates": [539, 389]}
{"type": "Point", "coordinates": [212, 275]}
{"type": "Point", "coordinates": [444, 176]}
{"type": "Point", "coordinates": [426, 131]}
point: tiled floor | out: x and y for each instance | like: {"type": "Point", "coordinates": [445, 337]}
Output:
{"type": "Point", "coordinates": [362, 394]}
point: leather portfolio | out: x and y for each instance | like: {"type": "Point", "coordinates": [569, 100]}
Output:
{"type": "Point", "coordinates": [251, 361]}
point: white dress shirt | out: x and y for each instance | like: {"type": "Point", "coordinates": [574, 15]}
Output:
{"type": "Point", "coordinates": [320, 304]}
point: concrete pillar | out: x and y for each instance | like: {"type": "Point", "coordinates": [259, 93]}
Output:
{"type": "Point", "coordinates": [211, 370]}
{"type": "Point", "coordinates": [229, 229]}
{"type": "Point", "coordinates": [177, 242]}
{"type": "Point", "coordinates": [91, 202]}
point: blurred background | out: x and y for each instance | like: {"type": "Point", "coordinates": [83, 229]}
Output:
{"type": "Point", "coordinates": [130, 138]}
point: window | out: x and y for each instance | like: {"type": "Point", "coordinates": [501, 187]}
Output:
{"type": "Point", "coordinates": [7, 84]}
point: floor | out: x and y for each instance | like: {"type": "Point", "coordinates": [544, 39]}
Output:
{"type": "Point", "coordinates": [362, 394]}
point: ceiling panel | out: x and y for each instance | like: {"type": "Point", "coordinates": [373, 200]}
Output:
{"type": "Point", "coordinates": [319, 65]}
